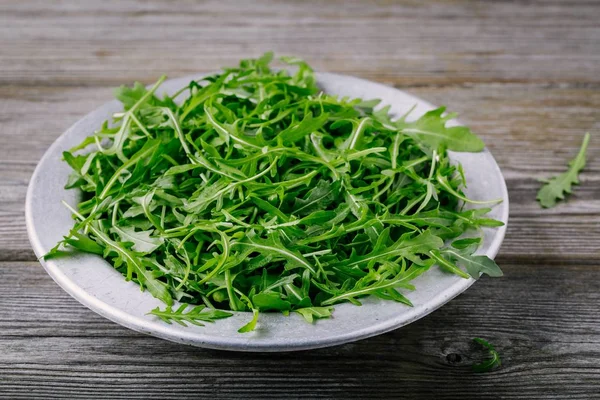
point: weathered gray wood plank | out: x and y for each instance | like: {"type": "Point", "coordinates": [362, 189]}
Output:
{"type": "Point", "coordinates": [543, 321]}
{"type": "Point", "coordinates": [442, 42]}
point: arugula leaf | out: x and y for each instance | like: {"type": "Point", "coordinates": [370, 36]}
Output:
{"type": "Point", "coordinates": [298, 131]}
{"type": "Point", "coordinates": [193, 316]}
{"type": "Point", "coordinates": [142, 240]}
{"type": "Point", "coordinates": [134, 265]}
{"type": "Point", "coordinates": [273, 247]}
{"type": "Point", "coordinates": [420, 244]}
{"type": "Point", "coordinates": [379, 285]}
{"type": "Point", "coordinates": [130, 95]}
{"type": "Point", "coordinates": [492, 363]}
{"type": "Point", "coordinates": [555, 188]}
{"type": "Point", "coordinates": [431, 130]}
{"type": "Point", "coordinates": [475, 265]}
{"type": "Point", "coordinates": [312, 313]}
{"type": "Point", "coordinates": [466, 242]}
{"type": "Point", "coordinates": [444, 263]}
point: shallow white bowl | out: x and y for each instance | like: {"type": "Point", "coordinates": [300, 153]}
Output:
{"type": "Point", "coordinates": [92, 281]}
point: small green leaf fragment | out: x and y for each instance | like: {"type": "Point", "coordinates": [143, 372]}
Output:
{"type": "Point", "coordinates": [475, 264]}
{"type": "Point", "coordinates": [432, 131]}
{"type": "Point", "coordinates": [250, 326]}
{"type": "Point", "coordinates": [492, 363]}
{"type": "Point", "coordinates": [193, 316]}
{"type": "Point", "coordinates": [312, 313]}
{"type": "Point", "coordinates": [142, 241]}
{"type": "Point", "coordinates": [444, 263]}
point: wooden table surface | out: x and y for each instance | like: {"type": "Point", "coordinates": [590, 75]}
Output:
{"type": "Point", "coordinates": [524, 75]}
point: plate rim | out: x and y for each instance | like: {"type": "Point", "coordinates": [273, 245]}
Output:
{"type": "Point", "coordinates": [161, 330]}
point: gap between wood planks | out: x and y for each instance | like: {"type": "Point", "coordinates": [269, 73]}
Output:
{"type": "Point", "coordinates": [401, 83]}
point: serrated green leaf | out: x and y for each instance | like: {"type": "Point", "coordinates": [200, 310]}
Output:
{"type": "Point", "coordinates": [193, 316]}
{"type": "Point", "coordinates": [143, 241]}
{"type": "Point", "coordinates": [323, 194]}
{"type": "Point", "coordinates": [555, 188]}
{"type": "Point", "coordinates": [432, 131]}
{"type": "Point", "coordinates": [270, 301]}
{"type": "Point", "coordinates": [250, 326]}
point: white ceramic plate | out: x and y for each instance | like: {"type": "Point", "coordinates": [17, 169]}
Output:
{"type": "Point", "coordinates": [92, 281]}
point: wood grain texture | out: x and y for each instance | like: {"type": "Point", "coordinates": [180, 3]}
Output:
{"type": "Point", "coordinates": [523, 75]}
{"type": "Point", "coordinates": [413, 42]}
{"type": "Point", "coordinates": [542, 320]}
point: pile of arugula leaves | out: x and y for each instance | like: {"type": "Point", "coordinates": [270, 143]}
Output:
{"type": "Point", "coordinates": [259, 192]}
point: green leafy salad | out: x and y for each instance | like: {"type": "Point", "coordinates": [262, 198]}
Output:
{"type": "Point", "coordinates": [252, 190]}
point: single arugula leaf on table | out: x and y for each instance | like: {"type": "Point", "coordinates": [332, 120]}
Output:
{"type": "Point", "coordinates": [193, 316]}
{"type": "Point", "coordinates": [78, 241]}
{"type": "Point", "coordinates": [555, 188]}
{"type": "Point", "coordinates": [432, 131]}
{"type": "Point", "coordinates": [312, 313]}
{"type": "Point", "coordinates": [476, 265]}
